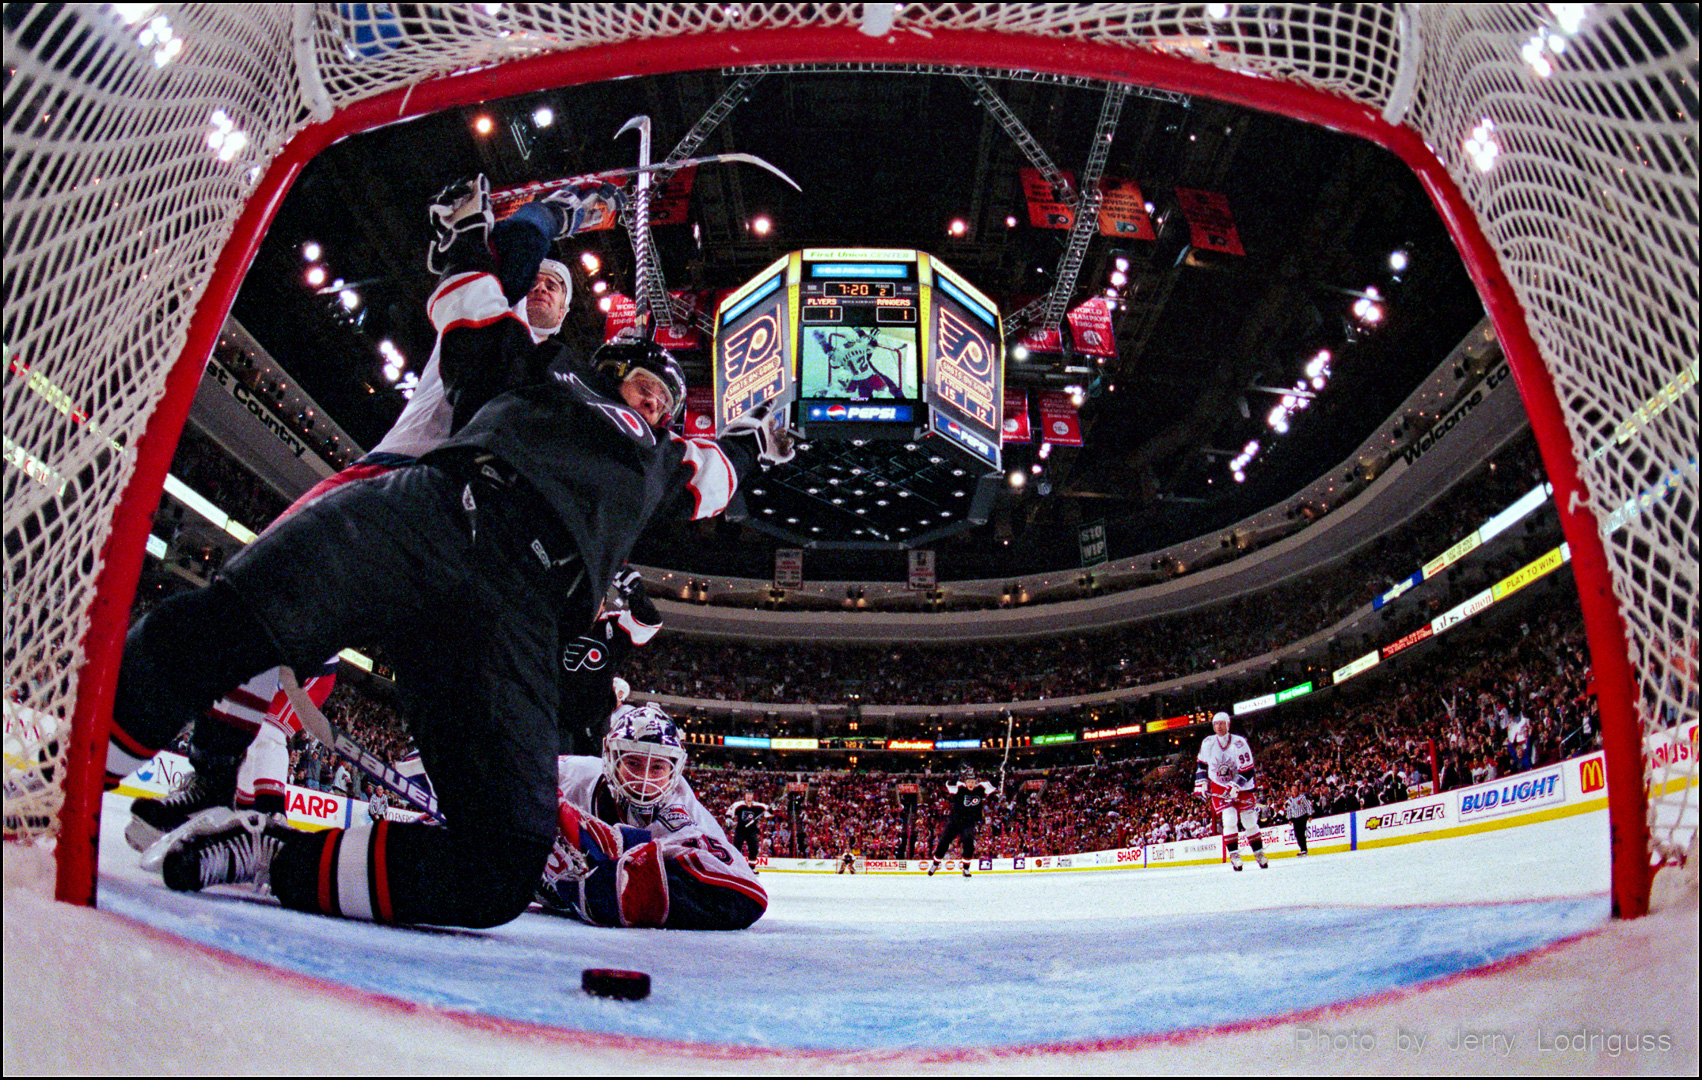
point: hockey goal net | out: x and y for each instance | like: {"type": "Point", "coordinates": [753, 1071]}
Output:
{"type": "Point", "coordinates": [147, 147]}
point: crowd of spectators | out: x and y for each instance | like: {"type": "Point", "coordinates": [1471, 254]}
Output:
{"type": "Point", "coordinates": [207, 470]}
{"type": "Point", "coordinates": [1483, 710]}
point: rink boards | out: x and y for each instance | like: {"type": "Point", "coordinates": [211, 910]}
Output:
{"type": "Point", "coordinates": [1578, 786]}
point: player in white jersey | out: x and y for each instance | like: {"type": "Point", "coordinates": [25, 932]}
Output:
{"type": "Point", "coordinates": [258, 713]}
{"type": "Point", "coordinates": [1226, 775]}
{"type": "Point", "coordinates": [636, 847]}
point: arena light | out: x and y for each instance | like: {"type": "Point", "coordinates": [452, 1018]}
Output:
{"type": "Point", "coordinates": [483, 124]}
{"type": "Point", "coordinates": [1398, 261]}
{"type": "Point", "coordinates": [543, 116]}
{"type": "Point", "coordinates": [350, 299]}
{"type": "Point", "coordinates": [1570, 17]}
{"type": "Point", "coordinates": [605, 304]}
{"type": "Point", "coordinates": [589, 260]}
{"type": "Point", "coordinates": [1019, 352]}
{"type": "Point", "coordinates": [1017, 478]}
{"type": "Point", "coordinates": [958, 227]}
{"type": "Point", "coordinates": [1481, 145]}
{"type": "Point", "coordinates": [1118, 278]}
{"type": "Point", "coordinates": [315, 276]}
{"type": "Point", "coordinates": [600, 287]}
{"type": "Point", "coordinates": [762, 225]}
{"type": "Point", "coordinates": [311, 251]}
{"type": "Point", "coordinates": [1010, 221]}
{"type": "Point", "coordinates": [226, 140]}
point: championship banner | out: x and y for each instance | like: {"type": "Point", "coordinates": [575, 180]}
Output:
{"type": "Point", "coordinates": [1209, 221]}
{"type": "Point", "coordinates": [922, 568]}
{"type": "Point", "coordinates": [669, 205]}
{"type": "Point", "coordinates": [1045, 209]}
{"type": "Point", "coordinates": [1122, 211]}
{"type": "Point", "coordinates": [680, 335]}
{"type": "Point", "coordinates": [623, 312]}
{"type": "Point", "coordinates": [1058, 420]}
{"type": "Point", "coordinates": [1016, 417]}
{"type": "Point", "coordinates": [1090, 328]}
{"type": "Point", "coordinates": [700, 411]}
{"type": "Point", "coordinates": [788, 568]}
{"type": "Point", "coordinates": [1039, 339]}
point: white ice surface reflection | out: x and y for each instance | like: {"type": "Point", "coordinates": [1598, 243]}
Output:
{"type": "Point", "coordinates": [896, 963]}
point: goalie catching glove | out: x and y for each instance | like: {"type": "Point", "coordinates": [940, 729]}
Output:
{"type": "Point", "coordinates": [461, 220]}
{"type": "Point", "coordinates": [775, 443]}
{"type": "Point", "coordinates": [602, 874]}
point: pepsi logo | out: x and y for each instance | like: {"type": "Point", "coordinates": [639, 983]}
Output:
{"type": "Point", "coordinates": [836, 412]}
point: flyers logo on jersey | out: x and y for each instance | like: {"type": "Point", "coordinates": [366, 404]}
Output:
{"type": "Point", "coordinates": [583, 654]}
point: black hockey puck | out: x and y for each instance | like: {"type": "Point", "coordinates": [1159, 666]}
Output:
{"type": "Point", "coordinates": [613, 983]}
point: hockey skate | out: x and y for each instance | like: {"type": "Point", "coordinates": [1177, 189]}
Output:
{"type": "Point", "coordinates": [151, 819]}
{"type": "Point", "coordinates": [966, 869]}
{"type": "Point", "coordinates": [221, 847]}
{"type": "Point", "coordinates": [1264, 863]}
{"type": "Point", "coordinates": [1235, 861]}
{"type": "Point", "coordinates": [935, 865]}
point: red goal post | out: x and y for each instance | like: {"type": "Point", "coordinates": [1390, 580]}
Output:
{"type": "Point", "coordinates": [148, 150]}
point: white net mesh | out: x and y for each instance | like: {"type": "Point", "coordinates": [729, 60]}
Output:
{"type": "Point", "coordinates": [135, 135]}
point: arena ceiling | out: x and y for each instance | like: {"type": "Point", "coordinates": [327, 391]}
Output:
{"type": "Point", "coordinates": [1205, 341]}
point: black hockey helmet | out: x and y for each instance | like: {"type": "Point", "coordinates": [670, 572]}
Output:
{"type": "Point", "coordinates": [621, 356]}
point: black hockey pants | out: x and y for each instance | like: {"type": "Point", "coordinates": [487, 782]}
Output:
{"type": "Point", "coordinates": [463, 578]}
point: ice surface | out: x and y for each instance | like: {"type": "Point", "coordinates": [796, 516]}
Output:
{"type": "Point", "coordinates": [1140, 969]}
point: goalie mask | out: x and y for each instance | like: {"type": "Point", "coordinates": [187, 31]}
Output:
{"type": "Point", "coordinates": [642, 755]}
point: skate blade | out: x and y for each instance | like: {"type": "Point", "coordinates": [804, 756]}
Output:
{"type": "Point", "coordinates": [140, 835]}
{"type": "Point", "coordinates": [208, 820]}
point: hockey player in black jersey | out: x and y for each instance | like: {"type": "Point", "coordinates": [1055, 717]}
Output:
{"type": "Point", "coordinates": [591, 662]}
{"type": "Point", "coordinates": [969, 799]}
{"type": "Point", "coordinates": [745, 816]}
{"type": "Point", "coordinates": [470, 568]}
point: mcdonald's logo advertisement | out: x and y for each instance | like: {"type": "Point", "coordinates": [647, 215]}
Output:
{"type": "Point", "coordinates": [1592, 775]}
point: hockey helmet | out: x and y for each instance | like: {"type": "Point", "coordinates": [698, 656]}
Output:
{"type": "Point", "coordinates": [1220, 718]}
{"type": "Point", "coordinates": [622, 356]}
{"type": "Point", "coordinates": [642, 755]}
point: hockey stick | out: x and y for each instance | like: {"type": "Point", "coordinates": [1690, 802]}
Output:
{"type": "Point", "coordinates": [314, 723]}
{"type": "Point", "coordinates": [515, 194]}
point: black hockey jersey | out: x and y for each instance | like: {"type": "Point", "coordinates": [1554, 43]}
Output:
{"type": "Point", "coordinates": [969, 801]}
{"type": "Point", "coordinates": [745, 816]}
{"type": "Point", "coordinates": [600, 467]}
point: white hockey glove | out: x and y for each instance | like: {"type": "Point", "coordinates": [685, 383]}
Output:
{"type": "Point", "coordinates": [460, 214]}
{"type": "Point", "coordinates": [775, 443]}
{"type": "Point", "coordinates": [584, 206]}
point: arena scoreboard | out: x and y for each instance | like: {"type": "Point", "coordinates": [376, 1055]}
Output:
{"type": "Point", "coordinates": [864, 343]}
{"type": "Point", "coordinates": [878, 348]}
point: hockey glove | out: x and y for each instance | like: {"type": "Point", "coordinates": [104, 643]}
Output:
{"type": "Point", "coordinates": [461, 220]}
{"type": "Point", "coordinates": [602, 874]}
{"type": "Point", "coordinates": [775, 443]}
{"type": "Point", "coordinates": [584, 206]}
{"type": "Point", "coordinates": [627, 582]}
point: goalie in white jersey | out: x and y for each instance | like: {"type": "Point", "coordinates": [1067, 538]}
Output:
{"type": "Point", "coordinates": [636, 847]}
{"type": "Point", "coordinates": [1226, 775]}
